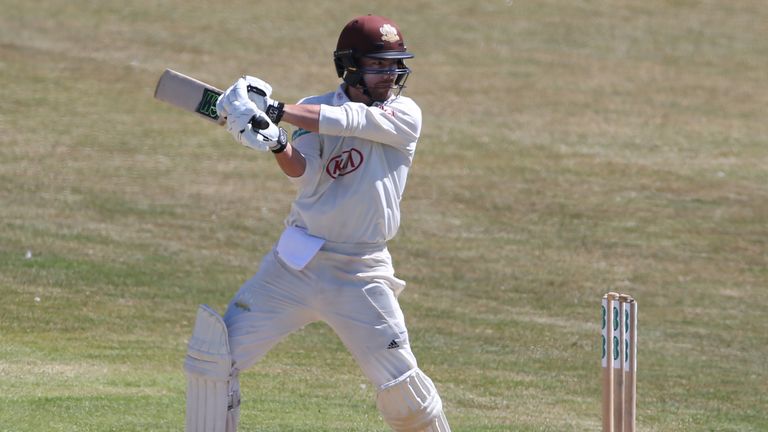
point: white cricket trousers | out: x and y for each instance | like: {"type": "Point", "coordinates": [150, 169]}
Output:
{"type": "Point", "coordinates": [354, 292]}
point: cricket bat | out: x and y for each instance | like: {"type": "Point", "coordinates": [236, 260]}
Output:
{"type": "Point", "coordinates": [194, 96]}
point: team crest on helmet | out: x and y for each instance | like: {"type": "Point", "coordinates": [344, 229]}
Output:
{"type": "Point", "coordinates": [389, 33]}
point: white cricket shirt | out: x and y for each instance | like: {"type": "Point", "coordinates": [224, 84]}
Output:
{"type": "Point", "coordinates": [356, 168]}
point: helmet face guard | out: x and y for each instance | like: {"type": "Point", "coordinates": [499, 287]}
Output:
{"type": "Point", "coordinates": [372, 37]}
{"type": "Point", "coordinates": [402, 72]}
{"type": "Point", "coordinates": [348, 69]}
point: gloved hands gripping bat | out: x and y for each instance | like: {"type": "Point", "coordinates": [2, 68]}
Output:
{"type": "Point", "coordinates": [252, 115]}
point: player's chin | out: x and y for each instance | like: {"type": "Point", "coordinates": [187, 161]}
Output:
{"type": "Point", "coordinates": [380, 93]}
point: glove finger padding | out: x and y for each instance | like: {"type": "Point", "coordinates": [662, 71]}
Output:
{"type": "Point", "coordinates": [259, 91]}
{"type": "Point", "coordinates": [276, 138]}
{"type": "Point", "coordinates": [234, 98]}
{"type": "Point", "coordinates": [253, 139]}
{"type": "Point", "coordinates": [220, 106]}
{"type": "Point", "coordinates": [239, 119]}
{"type": "Point", "coordinates": [271, 133]}
{"type": "Point", "coordinates": [245, 134]}
{"type": "Point", "coordinates": [224, 104]}
{"type": "Point", "coordinates": [272, 138]}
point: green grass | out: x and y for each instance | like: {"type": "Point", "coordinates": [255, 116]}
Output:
{"type": "Point", "coordinates": [569, 149]}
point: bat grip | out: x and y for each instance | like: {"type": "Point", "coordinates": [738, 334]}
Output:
{"type": "Point", "coordinates": [259, 123]}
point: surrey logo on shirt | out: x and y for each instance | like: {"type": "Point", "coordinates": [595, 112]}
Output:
{"type": "Point", "coordinates": [344, 163]}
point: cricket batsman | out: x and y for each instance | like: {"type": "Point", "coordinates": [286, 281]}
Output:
{"type": "Point", "coordinates": [349, 159]}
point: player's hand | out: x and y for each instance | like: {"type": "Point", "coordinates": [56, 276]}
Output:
{"type": "Point", "coordinates": [241, 115]}
{"type": "Point", "coordinates": [250, 89]}
{"type": "Point", "coordinates": [234, 99]}
{"type": "Point", "coordinates": [275, 137]}
{"type": "Point", "coordinates": [241, 125]}
{"type": "Point", "coordinates": [260, 93]}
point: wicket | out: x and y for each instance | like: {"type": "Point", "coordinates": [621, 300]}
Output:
{"type": "Point", "coordinates": [619, 362]}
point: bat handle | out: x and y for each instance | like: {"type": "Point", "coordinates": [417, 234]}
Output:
{"type": "Point", "coordinates": [259, 123]}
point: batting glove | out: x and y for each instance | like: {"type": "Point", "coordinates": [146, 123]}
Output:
{"type": "Point", "coordinates": [259, 92]}
{"type": "Point", "coordinates": [250, 90]}
{"type": "Point", "coordinates": [234, 99]}
{"type": "Point", "coordinates": [241, 125]}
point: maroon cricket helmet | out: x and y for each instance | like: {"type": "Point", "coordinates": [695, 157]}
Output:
{"type": "Point", "coordinates": [370, 36]}
{"type": "Point", "coordinates": [373, 36]}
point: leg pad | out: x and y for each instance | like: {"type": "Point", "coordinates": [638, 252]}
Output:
{"type": "Point", "coordinates": [411, 404]}
{"type": "Point", "coordinates": [213, 390]}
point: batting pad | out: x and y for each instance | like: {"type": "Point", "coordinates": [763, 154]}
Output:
{"type": "Point", "coordinates": [411, 404]}
{"type": "Point", "coordinates": [213, 393]}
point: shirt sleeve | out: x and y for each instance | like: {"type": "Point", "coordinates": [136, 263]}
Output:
{"type": "Point", "coordinates": [308, 144]}
{"type": "Point", "coordinates": [397, 125]}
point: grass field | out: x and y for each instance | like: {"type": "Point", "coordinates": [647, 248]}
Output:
{"type": "Point", "coordinates": [569, 148]}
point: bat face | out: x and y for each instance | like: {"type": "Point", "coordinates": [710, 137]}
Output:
{"type": "Point", "coordinates": [189, 94]}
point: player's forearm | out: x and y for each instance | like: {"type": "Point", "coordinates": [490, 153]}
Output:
{"type": "Point", "coordinates": [307, 117]}
{"type": "Point", "coordinates": [291, 161]}
{"type": "Point", "coordinates": [304, 116]}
